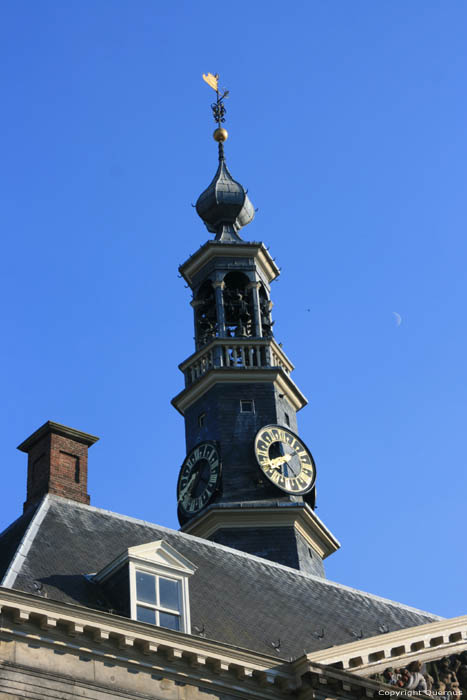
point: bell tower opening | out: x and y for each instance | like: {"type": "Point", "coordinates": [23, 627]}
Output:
{"type": "Point", "coordinates": [239, 321]}
{"type": "Point", "coordinates": [206, 325]}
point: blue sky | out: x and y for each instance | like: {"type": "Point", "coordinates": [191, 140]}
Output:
{"type": "Point", "coordinates": [347, 125]}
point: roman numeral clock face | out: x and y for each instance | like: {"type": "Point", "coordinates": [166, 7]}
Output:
{"type": "Point", "coordinates": [285, 460]}
{"type": "Point", "coordinates": [199, 479]}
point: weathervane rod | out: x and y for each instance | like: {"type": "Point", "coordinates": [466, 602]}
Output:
{"type": "Point", "coordinates": [218, 110]}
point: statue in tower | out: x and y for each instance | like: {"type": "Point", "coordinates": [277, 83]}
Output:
{"type": "Point", "coordinates": [266, 323]}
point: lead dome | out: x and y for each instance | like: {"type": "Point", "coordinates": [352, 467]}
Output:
{"type": "Point", "coordinates": [224, 206]}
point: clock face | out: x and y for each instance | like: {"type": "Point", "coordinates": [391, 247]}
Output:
{"type": "Point", "coordinates": [199, 478]}
{"type": "Point", "coordinates": [285, 460]}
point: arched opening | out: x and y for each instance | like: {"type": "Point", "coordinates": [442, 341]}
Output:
{"type": "Point", "coordinates": [205, 314]}
{"type": "Point", "coordinates": [237, 306]}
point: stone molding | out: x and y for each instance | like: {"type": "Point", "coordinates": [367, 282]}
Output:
{"type": "Point", "coordinates": [221, 375]}
{"type": "Point", "coordinates": [57, 429]}
{"type": "Point", "coordinates": [212, 249]}
{"type": "Point", "coordinates": [157, 552]}
{"type": "Point", "coordinates": [320, 682]}
{"type": "Point", "coordinates": [423, 642]}
{"type": "Point", "coordinates": [91, 635]}
{"type": "Point", "coordinates": [300, 516]}
{"type": "Point", "coordinates": [67, 627]}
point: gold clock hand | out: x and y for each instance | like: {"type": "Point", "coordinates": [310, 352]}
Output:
{"type": "Point", "coordinates": [187, 486]}
{"type": "Point", "coordinates": [277, 461]}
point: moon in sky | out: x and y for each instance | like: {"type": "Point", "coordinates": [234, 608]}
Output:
{"type": "Point", "coordinates": [398, 318]}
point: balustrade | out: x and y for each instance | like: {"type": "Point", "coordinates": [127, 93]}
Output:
{"type": "Point", "coordinates": [236, 354]}
{"type": "Point", "coordinates": [200, 366]}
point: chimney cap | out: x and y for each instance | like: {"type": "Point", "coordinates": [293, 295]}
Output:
{"type": "Point", "coordinates": [57, 429]}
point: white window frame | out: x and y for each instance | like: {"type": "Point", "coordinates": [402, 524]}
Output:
{"type": "Point", "coordinates": [163, 561]}
{"type": "Point", "coordinates": [182, 581]}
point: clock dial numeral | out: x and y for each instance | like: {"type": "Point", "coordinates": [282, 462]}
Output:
{"type": "Point", "coordinates": [275, 476]}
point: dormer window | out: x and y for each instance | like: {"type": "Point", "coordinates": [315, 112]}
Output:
{"type": "Point", "coordinates": [158, 600]}
{"type": "Point", "coordinates": [156, 589]}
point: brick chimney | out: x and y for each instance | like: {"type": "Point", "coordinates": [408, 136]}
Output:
{"type": "Point", "coordinates": [57, 463]}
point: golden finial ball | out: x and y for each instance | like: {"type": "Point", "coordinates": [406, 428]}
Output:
{"type": "Point", "coordinates": [220, 134]}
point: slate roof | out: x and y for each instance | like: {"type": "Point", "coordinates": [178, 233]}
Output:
{"type": "Point", "coordinates": [10, 539]}
{"type": "Point", "coordinates": [237, 598]}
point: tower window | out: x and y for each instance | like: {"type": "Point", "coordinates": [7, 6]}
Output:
{"type": "Point", "coordinates": [287, 419]}
{"type": "Point", "coordinates": [247, 406]}
{"type": "Point", "coordinates": [201, 419]}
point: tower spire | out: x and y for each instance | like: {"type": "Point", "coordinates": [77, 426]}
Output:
{"type": "Point", "coordinates": [224, 206]}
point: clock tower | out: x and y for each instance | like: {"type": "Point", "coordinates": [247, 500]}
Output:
{"type": "Point", "coordinates": [248, 479]}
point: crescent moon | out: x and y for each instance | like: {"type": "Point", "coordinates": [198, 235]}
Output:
{"type": "Point", "coordinates": [398, 318]}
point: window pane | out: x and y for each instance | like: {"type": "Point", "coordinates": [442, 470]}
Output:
{"type": "Point", "coordinates": [170, 621]}
{"type": "Point", "coordinates": [145, 588]}
{"type": "Point", "coordinates": [145, 614]}
{"type": "Point", "coordinates": [168, 594]}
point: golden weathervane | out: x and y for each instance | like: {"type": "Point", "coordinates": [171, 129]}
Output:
{"type": "Point", "coordinates": [218, 107]}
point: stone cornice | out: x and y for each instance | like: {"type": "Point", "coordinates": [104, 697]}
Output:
{"type": "Point", "coordinates": [297, 515]}
{"type": "Point", "coordinates": [287, 386]}
{"type": "Point", "coordinates": [140, 644]}
{"type": "Point", "coordinates": [424, 642]}
{"type": "Point", "coordinates": [213, 249]}
{"type": "Point", "coordinates": [119, 641]}
{"type": "Point", "coordinates": [57, 429]}
{"type": "Point", "coordinates": [319, 681]}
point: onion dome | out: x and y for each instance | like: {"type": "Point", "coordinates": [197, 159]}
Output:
{"type": "Point", "coordinates": [224, 206]}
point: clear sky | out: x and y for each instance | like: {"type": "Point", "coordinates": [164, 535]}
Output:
{"type": "Point", "coordinates": [347, 125]}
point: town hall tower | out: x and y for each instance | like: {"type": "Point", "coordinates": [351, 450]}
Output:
{"type": "Point", "coordinates": [248, 480]}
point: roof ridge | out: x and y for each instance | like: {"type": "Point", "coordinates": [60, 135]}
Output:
{"type": "Point", "coordinates": [236, 552]}
{"type": "Point", "coordinates": [25, 544]}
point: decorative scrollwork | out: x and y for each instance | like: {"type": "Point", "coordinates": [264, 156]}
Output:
{"type": "Point", "coordinates": [218, 111]}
